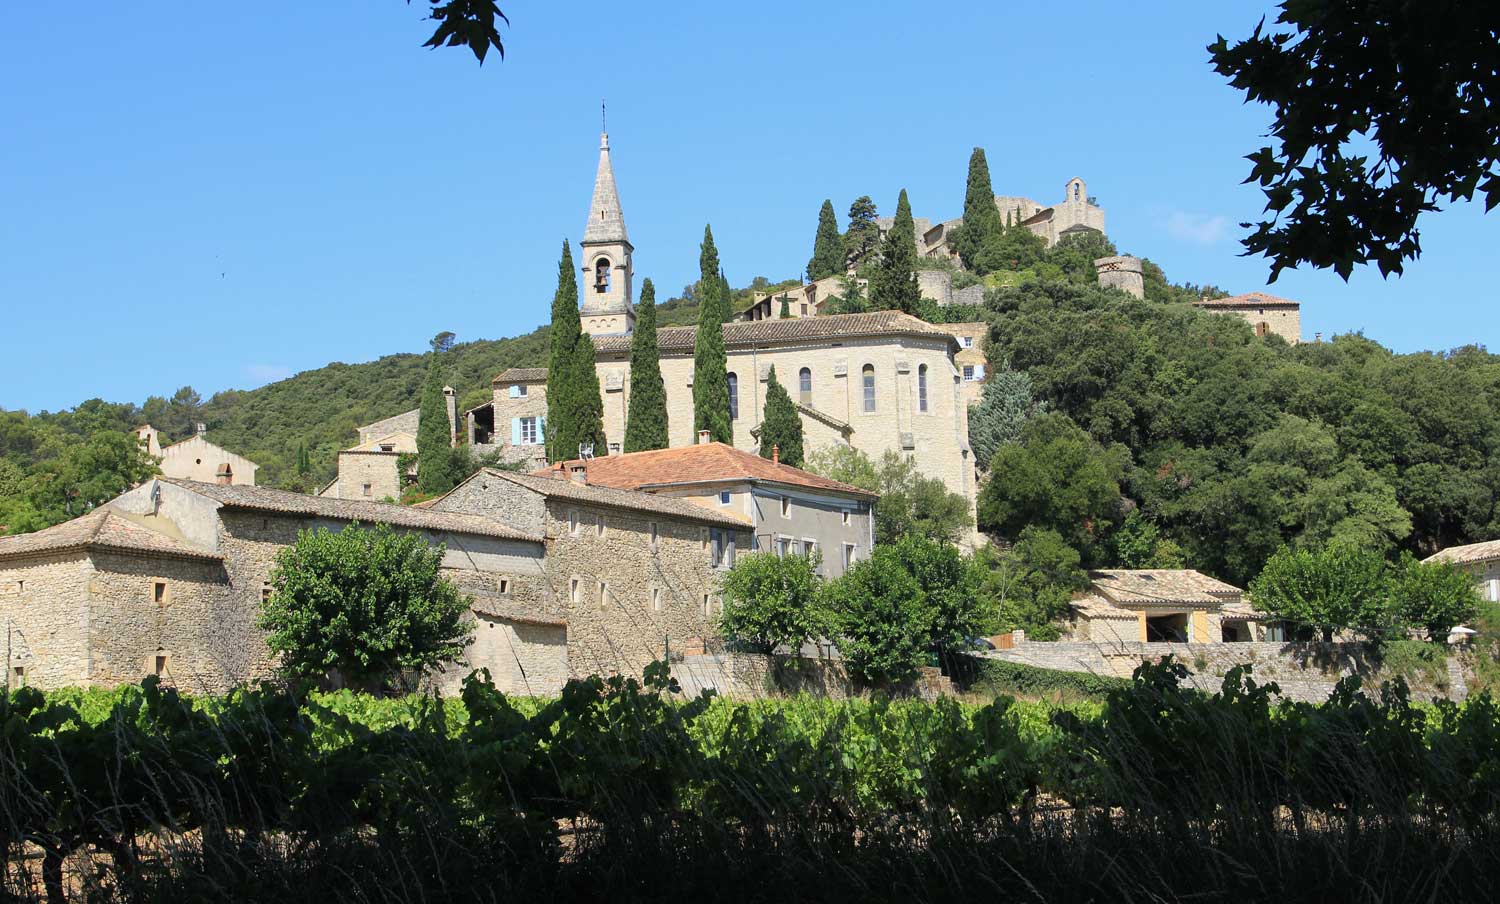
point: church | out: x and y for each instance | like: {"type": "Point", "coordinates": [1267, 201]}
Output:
{"type": "Point", "coordinates": [878, 381]}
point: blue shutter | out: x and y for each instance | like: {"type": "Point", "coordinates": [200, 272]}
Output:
{"type": "Point", "coordinates": [979, 371]}
{"type": "Point", "coordinates": [515, 431]}
{"type": "Point", "coordinates": [541, 429]}
{"type": "Point", "coordinates": [515, 392]}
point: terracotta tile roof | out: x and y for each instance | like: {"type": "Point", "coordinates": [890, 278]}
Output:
{"type": "Point", "coordinates": [755, 332]}
{"type": "Point", "coordinates": [1146, 587]}
{"type": "Point", "coordinates": [1469, 554]}
{"type": "Point", "coordinates": [1247, 300]}
{"type": "Point", "coordinates": [504, 607]}
{"type": "Point", "coordinates": [522, 375]}
{"type": "Point", "coordinates": [705, 463]}
{"type": "Point", "coordinates": [613, 497]}
{"type": "Point", "coordinates": [265, 499]}
{"type": "Point", "coordinates": [102, 528]}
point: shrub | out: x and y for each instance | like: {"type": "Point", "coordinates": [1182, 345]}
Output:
{"type": "Point", "coordinates": [772, 601]}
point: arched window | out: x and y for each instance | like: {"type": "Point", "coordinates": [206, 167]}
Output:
{"type": "Point", "coordinates": [734, 397]}
{"type": "Point", "coordinates": [804, 385]}
{"type": "Point", "coordinates": [922, 388]}
{"type": "Point", "coordinates": [1077, 191]}
{"type": "Point", "coordinates": [601, 275]}
{"type": "Point", "coordinates": [869, 384]}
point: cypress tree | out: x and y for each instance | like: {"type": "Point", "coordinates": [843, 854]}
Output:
{"type": "Point", "coordinates": [710, 363]}
{"type": "Point", "coordinates": [726, 299]}
{"type": "Point", "coordinates": [435, 460]}
{"type": "Point", "coordinates": [575, 412]}
{"type": "Point", "coordinates": [786, 308]}
{"type": "Point", "coordinates": [981, 216]}
{"type": "Point", "coordinates": [646, 417]}
{"type": "Point", "coordinates": [782, 427]}
{"type": "Point", "coordinates": [894, 284]}
{"type": "Point", "coordinates": [828, 247]}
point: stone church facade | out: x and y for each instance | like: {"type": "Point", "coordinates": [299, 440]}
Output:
{"type": "Point", "coordinates": [880, 381]}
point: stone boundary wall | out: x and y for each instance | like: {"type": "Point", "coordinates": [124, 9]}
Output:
{"type": "Point", "coordinates": [749, 676]}
{"type": "Point", "coordinates": [1305, 671]}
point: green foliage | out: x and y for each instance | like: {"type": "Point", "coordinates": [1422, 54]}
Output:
{"type": "Point", "coordinates": [850, 300]}
{"type": "Point", "coordinates": [467, 23]}
{"type": "Point", "coordinates": [1139, 544]}
{"type": "Point", "coordinates": [1005, 404]}
{"type": "Point", "coordinates": [997, 676]}
{"type": "Point", "coordinates": [1058, 478]}
{"type": "Point", "coordinates": [575, 410]}
{"type": "Point", "coordinates": [436, 471]}
{"type": "Point", "coordinates": [81, 476]}
{"type": "Point", "coordinates": [1030, 584]}
{"type": "Point", "coordinates": [894, 283]}
{"type": "Point", "coordinates": [1332, 589]}
{"type": "Point", "coordinates": [781, 427]}
{"type": "Point", "coordinates": [1434, 596]}
{"type": "Point", "coordinates": [951, 584]}
{"type": "Point", "coordinates": [828, 246]}
{"type": "Point", "coordinates": [982, 225]}
{"type": "Point", "coordinates": [366, 605]}
{"type": "Point", "coordinates": [772, 602]}
{"type": "Point", "coordinates": [1356, 100]}
{"type": "Point", "coordinates": [646, 419]}
{"type": "Point", "coordinates": [710, 361]}
{"type": "Point", "coordinates": [910, 503]}
{"type": "Point", "coordinates": [882, 617]}
{"type": "Point", "coordinates": [863, 235]}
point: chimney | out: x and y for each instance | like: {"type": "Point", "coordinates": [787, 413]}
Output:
{"type": "Point", "coordinates": [703, 437]}
{"type": "Point", "coordinates": [1317, 337]}
{"type": "Point", "coordinates": [579, 474]}
{"type": "Point", "coordinates": [776, 454]}
{"type": "Point", "coordinates": [202, 428]}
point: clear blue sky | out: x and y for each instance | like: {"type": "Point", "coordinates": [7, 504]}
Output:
{"type": "Point", "coordinates": [224, 195]}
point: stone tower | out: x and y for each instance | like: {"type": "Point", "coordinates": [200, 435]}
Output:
{"type": "Point", "coordinates": [1123, 273]}
{"type": "Point", "coordinates": [607, 269]}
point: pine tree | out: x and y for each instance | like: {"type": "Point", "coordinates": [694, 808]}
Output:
{"type": "Point", "coordinates": [863, 234]}
{"type": "Point", "coordinates": [781, 429]}
{"type": "Point", "coordinates": [710, 363]}
{"type": "Point", "coordinates": [435, 460]}
{"type": "Point", "coordinates": [828, 247]}
{"type": "Point", "coordinates": [646, 418]}
{"type": "Point", "coordinates": [981, 216]}
{"type": "Point", "coordinates": [575, 411]}
{"type": "Point", "coordinates": [894, 285]}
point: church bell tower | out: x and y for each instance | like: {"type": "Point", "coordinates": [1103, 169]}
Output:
{"type": "Point", "coordinates": [607, 270]}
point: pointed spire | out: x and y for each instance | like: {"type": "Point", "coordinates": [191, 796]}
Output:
{"type": "Point", "coordinates": [606, 220]}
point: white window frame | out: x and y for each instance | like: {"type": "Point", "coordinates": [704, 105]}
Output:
{"type": "Point", "coordinates": [655, 599]}
{"type": "Point", "coordinates": [868, 390]}
{"type": "Point", "coordinates": [851, 553]}
{"type": "Point", "coordinates": [573, 589]}
{"type": "Point", "coordinates": [604, 594]}
{"type": "Point", "coordinates": [528, 431]}
{"type": "Point", "coordinates": [968, 373]}
{"type": "Point", "coordinates": [846, 515]}
{"type": "Point", "coordinates": [599, 525]}
{"type": "Point", "coordinates": [655, 536]}
{"type": "Point", "coordinates": [968, 341]}
{"type": "Point", "coordinates": [726, 497]}
{"type": "Point", "coordinates": [786, 506]}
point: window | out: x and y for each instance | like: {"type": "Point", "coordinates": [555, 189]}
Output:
{"type": "Point", "coordinates": [265, 593]}
{"type": "Point", "coordinates": [922, 388]}
{"type": "Point", "coordinates": [705, 605]}
{"type": "Point", "coordinates": [804, 385]}
{"type": "Point", "coordinates": [518, 391]}
{"type": "Point", "coordinates": [159, 592]}
{"type": "Point", "coordinates": [573, 590]}
{"type": "Point", "coordinates": [504, 585]}
{"type": "Point", "coordinates": [721, 553]}
{"type": "Point", "coordinates": [968, 341]}
{"type": "Point", "coordinates": [968, 373]}
{"type": "Point", "coordinates": [603, 594]}
{"type": "Point", "coordinates": [804, 309]}
{"type": "Point", "coordinates": [655, 599]}
{"type": "Point", "coordinates": [846, 517]}
{"type": "Point", "coordinates": [786, 507]}
{"type": "Point", "coordinates": [367, 490]}
{"type": "Point", "coordinates": [387, 447]}
{"type": "Point", "coordinates": [655, 536]}
{"type": "Point", "coordinates": [599, 525]}
{"type": "Point", "coordinates": [159, 665]}
{"type": "Point", "coordinates": [849, 549]}
{"type": "Point", "coordinates": [725, 497]}
{"type": "Point", "coordinates": [809, 548]}
{"type": "Point", "coordinates": [734, 397]}
{"type": "Point", "coordinates": [527, 435]}
{"type": "Point", "coordinates": [18, 677]}
{"type": "Point", "coordinates": [601, 276]}
{"type": "Point", "coordinates": [869, 384]}
{"type": "Point", "coordinates": [783, 546]}
{"type": "Point", "coordinates": [1492, 590]}
{"type": "Point", "coordinates": [573, 522]}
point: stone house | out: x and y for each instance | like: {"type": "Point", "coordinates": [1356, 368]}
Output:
{"type": "Point", "coordinates": [167, 579]}
{"type": "Point", "coordinates": [1482, 560]}
{"type": "Point", "coordinates": [1266, 314]}
{"type": "Point", "coordinates": [632, 574]}
{"type": "Point", "coordinates": [1162, 605]}
{"type": "Point", "coordinates": [808, 300]}
{"type": "Point", "coordinates": [1076, 213]}
{"type": "Point", "coordinates": [789, 510]}
{"type": "Point", "coordinates": [973, 367]}
{"type": "Point", "coordinates": [370, 469]}
{"type": "Point", "coordinates": [515, 421]}
{"type": "Point", "coordinates": [195, 458]}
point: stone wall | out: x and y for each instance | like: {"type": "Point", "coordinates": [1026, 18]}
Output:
{"type": "Point", "coordinates": [1282, 320]}
{"type": "Point", "coordinates": [749, 676]}
{"type": "Point", "coordinates": [368, 476]}
{"type": "Point", "coordinates": [195, 458]}
{"type": "Point", "coordinates": [1305, 671]}
{"type": "Point", "coordinates": [44, 606]}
